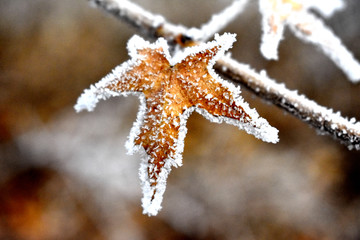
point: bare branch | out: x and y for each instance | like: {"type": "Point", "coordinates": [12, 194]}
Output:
{"type": "Point", "coordinates": [323, 119]}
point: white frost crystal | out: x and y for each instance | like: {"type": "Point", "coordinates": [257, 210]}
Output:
{"type": "Point", "coordinates": [308, 27]}
{"type": "Point", "coordinates": [170, 89]}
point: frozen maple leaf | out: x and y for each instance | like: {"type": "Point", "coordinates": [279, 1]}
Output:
{"type": "Point", "coordinates": [170, 89]}
{"type": "Point", "coordinates": [308, 27]}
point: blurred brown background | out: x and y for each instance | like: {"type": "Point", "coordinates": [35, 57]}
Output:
{"type": "Point", "coordinates": [67, 176]}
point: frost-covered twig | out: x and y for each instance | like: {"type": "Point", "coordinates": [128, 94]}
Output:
{"type": "Point", "coordinates": [311, 29]}
{"type": "Point", "coordinates": [277, 14]}
{"type": "Point", "coordinates": [149, 24]}
{"type": "Point", "coordinates": [323, 119]}
{"type": "Point", "coordinates": [154, 26]}
{"type": "Point", "coordinates": [218, 21]}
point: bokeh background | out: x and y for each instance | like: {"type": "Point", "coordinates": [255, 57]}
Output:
{"type": "Point", "coordinates": [67, 176]}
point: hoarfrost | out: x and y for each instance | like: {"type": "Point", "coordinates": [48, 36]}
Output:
{"type": "Point", "coordinates": [305, 109]}
{"type": "Point", "coordinates": [311, 29]}
{"type": "Point", "coordinates": [170, 89]}
{"type": "Point", "coordinates": [218, 21]}
{"type": "Point", "coordinates": [137, 12]}
{"type": "Point", "coordinates": [306, 26]}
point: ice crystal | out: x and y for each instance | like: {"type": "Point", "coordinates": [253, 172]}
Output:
{"type": "Point", "coordinates": [218, 21]}
{"type": "Point", "coordinates": [170, 89]}
{"type": "Point", "coordinates": [306, 109]}
{"type": "Point", "coordinates": [308, 27]}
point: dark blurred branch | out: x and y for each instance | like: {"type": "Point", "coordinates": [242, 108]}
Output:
{"type": "Point", "coordinates": [323, 119]}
